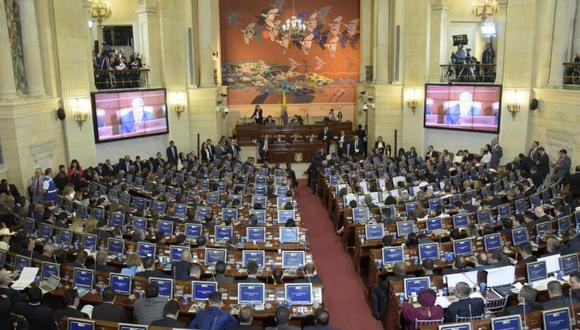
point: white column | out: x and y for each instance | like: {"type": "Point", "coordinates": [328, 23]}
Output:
{"type": "Point", "coordinates": [150, 40]}
{"type": "Point", "coordinates": [206, 37]}
{"type": "Point", "coordinates": [438, 48]}
{"type": "Point", "coordinates": [544, 34]}
{"type": "Point", "coordinates": [32, 62]}
{"type": "Point", "coordinates": [562, 40]}
{"type": "Point", "coordinates": [500, 25]}
{"type": "Point", "coordinates": [7, 84]}
{"type": "Point", "coordinates": [381, 49]}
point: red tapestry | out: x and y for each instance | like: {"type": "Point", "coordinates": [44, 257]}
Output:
{"type": "Point", "coordinates": [260, 61]}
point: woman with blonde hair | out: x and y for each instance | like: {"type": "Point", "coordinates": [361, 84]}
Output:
{"type": "Point", "coordinates": [91, 225]}
{"type": "Point", "coordinates": [77, 225]}
{"type": "Point", "coordinates": [134, 265]}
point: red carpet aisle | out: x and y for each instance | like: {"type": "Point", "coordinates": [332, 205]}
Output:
{"type": "Point", "coordinates": [343, 294]}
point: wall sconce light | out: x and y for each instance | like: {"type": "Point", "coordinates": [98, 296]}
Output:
{"type": "Point", "coordinates": [514, 100]}
{"type": "Point", "coordinates": [413, 99]}
{"type": "Point", "coordinates": [215, 56]}
{"type": "Point", "coordinates": [179, 101]}
{"type": "Point", "coordinates": [81, 112]}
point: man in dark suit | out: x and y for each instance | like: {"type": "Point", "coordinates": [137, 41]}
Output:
{"type": "Point", "coordinates": [543, 163]}
{"type": "Point", "coordinates": [563, 165]}
{"type": "Point", "coordinates": [220, 273]}
{"type": "Point", "coordinates": [282, 320]}
{"type": "Point", "coordinates": [496, 153]}
{"type": "Point", "coordinates": [233, 148]}
{"type": "Point", "coordinates": [107, 311]}
{"type": "Point", "coordinates": [101, 263]}
{"type": "Point", "coordinates": [526, 302]}
{"type": "Point", "coordinates": [246, 316]}
{"type": "Point", "coordinates": [526, 252]}
{"type": "Point", "coordinates": [213, 317]}
{"type": "Point", "coordinates": [533, 154]}
{"type": "Point", "coordinates": [158, 161]}
{"type": "Point", "coordinates": [357, 147]}
{"type": "Point", "coordinates": [574, 181]}
{"type": "Point", "coordinates": [309, 275]}
{"type": "Point", "coordinates": [557, 299]}
{"type": "Point", "coordinates": [257, 115]}
{"type": "Point", "coordinates": [342, 147]}
{"type": "Point", "coordinates": [431, 153]}
{"type": "Point", "coordinates": [71, 302]}
{"type": "Point", "coordinates": [172, 155]}
{"type": "Point", "coordinates": [321, 319]}
{"type": "Point", "coordinates": [380, 292]}
{"type": "Point", "coordinates": [459, 266]}
{"type": "Point", "coordinates": [5, 289]}
{"type": "Point", "coordinates": [170, 314]}
{"type": "Point", "coordinates": [151, 307]}
{"type": "Point", "coordinates": [252, 269]}
{"type": "Point", "coordinates": [124, 164]}
{"type": "Point", "coordinates": [136, 114]}
{"type": "Point", "coordinates": [575, 285]}
{"type": "Point", "coordinates": [149, 265]}
{"type": "Point", "coordinates": [464, 306]}
{"type": "Point", "coordinates": [325, 136]}
{"type": "Point", "coordinates": [5, 321]}
{"type": "Point", "coordinates": [39, 317]}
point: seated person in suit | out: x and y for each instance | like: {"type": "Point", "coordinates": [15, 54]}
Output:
{"type": "Point", "coordinates": [108, 311]}
{"type": "Point", "coordinates": [427, 311]}
{"type": "Point", "coordinates": [101, 263]}
{"type": "Point", "coordinates": [321, 320]}
{"type": "Point", "coordinates": [149, 265]}
{"type": "Point", "coordinates": [269, 121]}
{"type": "Point", "coordinates": [464, 306]}
{"type": "Point", "coordinates": [137, 113]}
{"type": "Point", "coordinates": [557, 299]}
{"type": "Point", "coordinates": [71, 302]}
{"type": "Point", "coordinates": [427, 265]}
{"type": "Point", "coordinates": [282, 318]}
{"type": "Point", "coordinates": [150, 308]}
{"type": "Point", "coordinates": [380, 292]}
{"type": "Point", "coordinates": [526, 302]}
{"type": "Point", "coordinates": [194, 272]}
{"type": "Point", "coordinates": [459, 266]}
{"type": "Point", "coordinates": [39, 317]}
{"type": "Point", "coordinates": [527, 253]}
{"type": "Point", "coordinates": [554, 247]}
{"type": "Point", "coordinates": [213, 317]}
{"type": "Point", "coordinates": [575, 285]}
{"type": "Point", "coordinates": [181, 267]}
{"type": "Point", "coordinates": [310, 275]}
{"type": "Point", "coordinates": [252, 268]}
{"type": "Point", "coordinates": [170, 315]}
{"type": "Point", "coordinates": [296, 138]}
{"type": "Point", "coordinates": [246, 316]}
{"type": "Point", "coordinates": [220, 273]}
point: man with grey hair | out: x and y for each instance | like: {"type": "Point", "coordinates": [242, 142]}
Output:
{"type": "Point", "coordinates": [526, 302]}
{"type": "Point", "coordinates": [496, 153]}
{"type": "Point", "coordinates": [557, 299]}
{"type": "Point", "coordinates": [101, 263]}
{"type": "Point", "coordinates": [48, 252]}
{"type": "Point", "coordinates": [5, 289]}
{"type": "Point", "coordinates": [464, 306]}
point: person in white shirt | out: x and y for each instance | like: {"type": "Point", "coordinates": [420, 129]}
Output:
{"type": "Point", "coordinates": [486, 154]}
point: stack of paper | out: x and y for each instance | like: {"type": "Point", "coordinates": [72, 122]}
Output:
{"type": "Point", "coordinates": [27, 276]}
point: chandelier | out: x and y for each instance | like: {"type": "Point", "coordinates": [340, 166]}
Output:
{"type": "Point", "coordinates": [485, 8]}
{"type": "Point", "coordinates": [294, 27]}
{"type": "Point", "coordinates": [99, 11]}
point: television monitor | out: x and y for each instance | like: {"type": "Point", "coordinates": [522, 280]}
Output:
{"type": "Point", "coordinates": [543, 228]}
{"type": "Point", "coordinates": [288, 235]}
{"type": "Point", "coordinates": [428, 251]}
{"type": "Point", "coordinates": [415, 285]}
{"type": "Point", "coordinates": [192, 230]}
{"type": "Point", "coordinates": [473, 108]}
{"type": "Point", "coordinates": [159, 206]}
{"type": "Point", "coordinates": [393, 254]}
{"type": "Point", "coordinates": [176, 251]}
{"type": "Point", "coordinates": [259, 199]}
{"type": "Point", "coordinates": [44, 230]}
{"type": "Point", "coordinates": [212, 256]}
{"type": "Point", "coordinates": [564, 223]}
{"type": "Point", "coordinates": [200, 290]}
{"type": "Point", "coordinates": [140, 223]}
{"type": "Point", "coordinates": [20, 262]}
{"type": "Point", "coordinates": [492, 242]}
{"type": "Point", "coordinates": [434, 224]}
{"type": "Point", "coordinates": [521, 206]}
{"type": "Point", "coordinates": [119, 115]}
{"type": "Point", "coordinates": [128, 326]}
{"type": "Point", "coordinates": [201, 212]}
{"type": "Point", "coordinates": [510, 322]}
{"type": "Point", "coordinates": [537, 271]}
{"type": "Point", "coordinates": [80, 324]}
{"type": "Point", "coordinates": [434, 203]}
{"type": "Point", "coordinates": [64, 237]}
{"type": "Point", "coordinates": [569, 263]}
{"type": "Point", "coordinates": [285, 215]}
{"type": "Point", "coordinates": [410, 207]}
{"type": "Point", "coordinates": [165, 286]}
{"type": "Point", "coordinates": [388, 211]}
{"type": "Point", "coordinates": [483, 217]}
{"type": "Point", "coordinates": [360, 214]}
{"type": "Point", "coordinates": [404, 228]}
{"type": "Point", "coordinates": [49, 269]}
{"type": "Point", "coordinates": [145, 249]}
{"type": "Point", "coordinates": [552, 263]}
{"type": "Point", "coordinates": [223, 233]}
{"type": "Point", "coordinates": [230, 213]}
{"type": "Point", "coordinates": [293, 259]}
{"type": "Point", "coordinates": [503, 210]}
{"type": "Point", "coordinates": [256, 234]}
{"type": "Point", "coordinates": [374, 231]}
{"type": "Point", "coordinates": [519, 235]}
{"type": "Point", "coordinates": [260, 215]}
{"type": "Point", "coordinates": [557, 319]}
{"type": "Point", "coordinates": [83, 277]}
{"type": "Point", "coordinates": [455, 326]}
{"type": "Point", "coordinates": [165, 227]}
{"type": "Point", "coordinates": [117, 219]}
{"type": "Point", "coordinates": [251, 293]}
{"type": "Point", "coordinates": [298, 293]}
{"type": "Point", "coordinates": [90, 242]}
{"type": "Point", "coordinates": [120, 283]}
{"type": "Point", "coordinates": [282, 201]}
{"type": "Point", "coordinates": [259, 256]}
{"type": "Point", "coordinates": [460, 220]}
{"type": "Point", "coordinates": [463, 247]}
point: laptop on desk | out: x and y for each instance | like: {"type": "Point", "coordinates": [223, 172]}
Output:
{"type": "Point", "coordinates": [49, 284]}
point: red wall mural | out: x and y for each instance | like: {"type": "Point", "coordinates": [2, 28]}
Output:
{"type": "Point", "coordinates": [259, 61]}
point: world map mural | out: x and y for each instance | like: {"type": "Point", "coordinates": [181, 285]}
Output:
{"type": "Point", "coordinates": [260, 61]}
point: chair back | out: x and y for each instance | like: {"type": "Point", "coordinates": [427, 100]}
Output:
{"type": "Point", "coordinates": [496, 305]}
{"type": "Point", "coordinates": [420, 323]}
{"type": "Point", "coordinates": [18, 322]}
{"type": "Point", "coordinates": [468, 318]}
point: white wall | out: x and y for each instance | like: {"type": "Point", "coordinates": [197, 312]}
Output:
{"type": "Point", "coordinates": [144, 147]}
{"type": "Point", "coordinates": [455, 140]}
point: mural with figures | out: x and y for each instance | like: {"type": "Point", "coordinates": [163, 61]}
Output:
{"type": "Point", "coordinates": [260, 61]}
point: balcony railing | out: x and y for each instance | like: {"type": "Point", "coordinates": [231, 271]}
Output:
{"type": "Point", "coordinates": [475, 73]}
{"type": "Point", "coordinates": [113, 79]}
{"type": "Point", "coordinates": [572, 75]}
